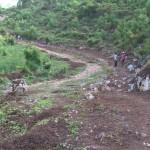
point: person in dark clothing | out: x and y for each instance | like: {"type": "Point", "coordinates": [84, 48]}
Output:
{"type": "Point", "coordinates": [115, 59]}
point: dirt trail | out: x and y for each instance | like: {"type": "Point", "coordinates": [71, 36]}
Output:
{"type": "Point", "coordinates": [90, 68]}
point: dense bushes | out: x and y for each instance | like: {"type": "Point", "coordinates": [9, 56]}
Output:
{"type": "Point", "coordinates": [30, 62]}
{"type": "Point", "coordinates": [36, 60]}
{"type": "Point", "coordinates": [121, 23]}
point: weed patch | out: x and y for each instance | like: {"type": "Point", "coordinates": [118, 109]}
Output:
{"type": "Point", "coordinates": [44, 121]}
{"type": "Point", "coordinates": [42, 105]}
{"type": "Point", "coordinates": [17, 129]}
{"type": "Point", "coordinates": [74, 128]}
{"type": "Point", "coordinates": [101, 107]}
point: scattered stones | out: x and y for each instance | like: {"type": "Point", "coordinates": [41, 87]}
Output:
{"type": "Point", "coordinates": [105, 88]}
{"type": "Point", "coordinates": [101, 60]}
{"type": "Point", "coordinates": [141, 79]}
{"type": "Point", "coordinates": [119, 85]}
{"type": "Point", "coordinates": [145, 84]}
{"type": "Point", "coordinates": [135, 60]}
{"type": "Point", "coordinates": [131, 87]}
{"type": "Point", "coordinates": [146, 144]}
{"type": "Point", "coordinates": [128, 110]}
{"type": "Point", "coordinates": [131, 67]}
{"type": "Point", "coordinates": [89, 96]}
{"type": "Point", "coordinates": [91, 131]}
{"type": "Point", "coordinates": [56, 120]}
{"type": "Point", "coordinates": [93, 88]}
{"type": "Point", "coordinates": [143, 135]}
{"type": "Point", "coordinates": [82, 47]}
{"type": "Point", "coordinates": [102, 136]}
{"type": "Point", "coordinates": [75, 111]}
{"type": "Point", "coordinates": [107, 81]}
{"type": "Point", "coordinates": [124, 78]}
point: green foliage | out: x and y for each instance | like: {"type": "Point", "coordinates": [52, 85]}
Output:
{"type": "Point", "coordinates": [101, 107]}
{"type": "Point", "coordinates": [3, 82]}
{"type": "Point", "coordinates": [123, 24]}
{"type": "Point", "coordinates": [148, 7]}
{"type": "Point", "coordinates": [58, 67]}
{"type": "Point", "coordinates": [74, 128]}
{"type": "Point", "coordinates": [33, 58]}
{"type": "Point", "coordinates": [2, 41]}
{"type": "Point", "coordinates": [96, 38]}
{"type": "Point", "coordinates": [35, 64]}
{"type": "Point", "coordinates": [50, 20]}
{"type": "Point", "coordinates": [11, 59]}
{"type": "Point", "coordinates": [42, 105]}
{"type": "Point", "coordinates": [75, 22]}
{"type": "Point", "coordinates": [31, 33]}
{"type": "Point", "coordinates": [147, 46]}
{"type": "Point", "coordinates": [10, 40]}
{"type": "Point", "coordinates": [2, 117]}
{"type": "Point", "coordinates": [17, 128]}
{"type": "Point", "coordinates": [44, 121]}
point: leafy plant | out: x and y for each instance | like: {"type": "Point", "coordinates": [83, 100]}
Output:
{"type": "Point", "coordinates": [74, 128]}
{"type": "Point", "coordinates": [101, 107]}
{"type": "Point", "coordinates": [17, 128]}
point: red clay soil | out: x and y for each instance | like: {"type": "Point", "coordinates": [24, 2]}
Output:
{"type": "Point", "coordinates": [113, 120]}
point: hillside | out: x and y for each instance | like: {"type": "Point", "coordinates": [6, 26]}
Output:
{"type": "Point", "coordinates": [59, 88]}
{"type": "Point", "coordinates": [121, 25]}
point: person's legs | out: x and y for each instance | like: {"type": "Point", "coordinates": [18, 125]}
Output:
{"type": "Point", "coordinates": [115, 65]}
{"type": "Point", "coordinates": [122, 62]}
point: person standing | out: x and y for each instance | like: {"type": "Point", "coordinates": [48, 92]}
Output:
{"type": "Point", "coordinates": [122, 59]}
{"type": "Point", "coordinates": [115, 59]}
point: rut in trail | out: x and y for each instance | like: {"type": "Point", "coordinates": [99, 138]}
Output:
{"type": "Point", "coordinates": [89, 70]}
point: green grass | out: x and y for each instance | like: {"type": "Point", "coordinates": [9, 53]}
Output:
{"type": "Point", "coordinates": [44, 121]}
{"type": "Point", "coordinates": [101, 107]}
{"type": "Point", "coordinates": [76, 71]}
{"type": "Point", "coordinates": [42, 105]}
{"type": "Point", "coordinates": [59, 67]}
{"type": "Point", "coordinates": [11, 58]}
{"type": "Point", "coordinates": [2, 117]}
{"type": "Point", "coordinates": [17, 129]}
{"type": "Point", "coordinates": [105, 71]}
{"type": "Point", "coordinates": [74, 128]}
